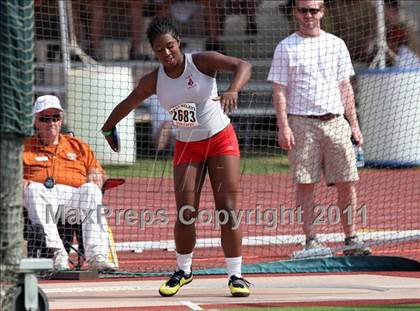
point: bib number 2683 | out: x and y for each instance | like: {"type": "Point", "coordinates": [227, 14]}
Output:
{"type": "Point", "coordinates": [184, 115]}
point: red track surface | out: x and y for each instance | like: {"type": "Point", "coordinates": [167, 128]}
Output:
{"type": "Point", "coordinates": [390, 199]}
{"type": "Point", "coordinates": [344, 303]}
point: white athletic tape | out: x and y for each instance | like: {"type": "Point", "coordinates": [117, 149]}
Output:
{"type": "Point", "coordinates": [191, 305]}
{"type": "Point", "coordinates": [371, 238]}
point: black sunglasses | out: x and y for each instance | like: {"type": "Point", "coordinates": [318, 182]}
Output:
{"type": "Point", "coordinates": [50, 118]}
{"type": "Point", "coordinates": [313, 11]}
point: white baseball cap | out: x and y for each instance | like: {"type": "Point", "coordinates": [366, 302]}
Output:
{"type": "Point", "coordinates": [46, 102]}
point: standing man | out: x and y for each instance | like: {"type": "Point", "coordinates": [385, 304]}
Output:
{"type": "Point", "coordinates": [311, 72]}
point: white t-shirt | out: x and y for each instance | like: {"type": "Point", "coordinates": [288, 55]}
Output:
{"type": "Point", "coordinates": [190, 101]}
{"type": "Point", "coordinates": [311, 68]}
{"type": "Point", "coordinates": [407, 58]}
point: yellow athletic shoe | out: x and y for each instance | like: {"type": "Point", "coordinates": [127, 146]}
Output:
{"type": "Point", "coordinates": [239, 287]}
{"type": "Point", "coordinates": [175, 282]}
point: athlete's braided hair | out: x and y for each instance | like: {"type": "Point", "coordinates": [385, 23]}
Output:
{"type": "Point", "coordinates": [161, 25]}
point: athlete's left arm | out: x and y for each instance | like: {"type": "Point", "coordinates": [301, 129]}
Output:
{"type": "Point", "coordinates": [212, 62]}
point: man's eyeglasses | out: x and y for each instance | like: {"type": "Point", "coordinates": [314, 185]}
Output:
{"type": "Point", "coordinates": [50, 118]}
{"type": "Point", "coordinates": [313, 11]}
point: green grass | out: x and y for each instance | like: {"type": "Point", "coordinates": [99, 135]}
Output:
{"type": "Point", "coordinates": [264, 164]}
{"type": "Point", "coordinates": [142, 168]}
{"type": "Point", "coordinates": [255, 164]}
{"type": "Point", "coordinates": [408, 307]}
{"type": "Point", "coordinates": [250, 164]}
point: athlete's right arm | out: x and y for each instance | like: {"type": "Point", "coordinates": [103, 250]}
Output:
{"type": "Point", "coordinates": [285, 134]}
{"type": "Point", "coordinates": [144, 89]}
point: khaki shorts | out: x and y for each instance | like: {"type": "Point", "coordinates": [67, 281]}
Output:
{"type": "Point", "coordinates": [322, 147]}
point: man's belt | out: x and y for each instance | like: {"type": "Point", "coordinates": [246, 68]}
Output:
{"type": "Point", "coordinates": [323, 117]}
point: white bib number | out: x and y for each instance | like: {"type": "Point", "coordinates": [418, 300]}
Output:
{"type": "Point", "coordinates": [184, 115]}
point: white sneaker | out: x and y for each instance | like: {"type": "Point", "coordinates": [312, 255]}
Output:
{"type": "Point", "coordinates": [313, 243]}
{"type": "Point", "coordinates": [313, 248]}
{"type": "Point", "coordinates": [101, 263]}
{"type": "Point", "coordinates": [61, 260]}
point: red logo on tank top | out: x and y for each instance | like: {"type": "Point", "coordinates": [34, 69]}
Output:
{"type": "Point", "coordinates": [190, 82]}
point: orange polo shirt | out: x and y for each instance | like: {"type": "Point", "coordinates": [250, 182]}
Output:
{"type": "Point", "coordinates": [68, 162]}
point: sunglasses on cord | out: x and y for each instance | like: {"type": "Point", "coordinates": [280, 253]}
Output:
{"type": "Point", "coordinates": [49, 118]}
{"type": "Point", "coordinates": [313, 11]}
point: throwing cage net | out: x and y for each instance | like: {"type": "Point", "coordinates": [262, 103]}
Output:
{"type": "Point", "coordinates": [91, 54]}
{"type": "Point", "coordinates": [16, 26]}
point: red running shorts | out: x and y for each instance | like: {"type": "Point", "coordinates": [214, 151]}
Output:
{"type": "Point", "coordinates": [223, 143]}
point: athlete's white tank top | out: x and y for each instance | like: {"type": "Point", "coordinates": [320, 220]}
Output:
{"type": "Point", "coordinates": [189, 99]}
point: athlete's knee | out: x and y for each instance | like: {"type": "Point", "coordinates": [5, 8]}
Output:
{"type": "Point", "coordinates": [227, 203]}
{"type": "Point", "coordinates": [227, 216]}
{"type": "Point", "coordinates": [186, 215]}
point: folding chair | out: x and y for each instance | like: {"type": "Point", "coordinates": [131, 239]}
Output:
{"type": "Point", "coordinates": [35, 236]}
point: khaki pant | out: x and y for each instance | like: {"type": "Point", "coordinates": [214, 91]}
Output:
{"type": "Point", "coordinates": [322, 147]}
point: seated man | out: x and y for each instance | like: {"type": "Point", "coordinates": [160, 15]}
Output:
{"type": "Point", "coordinates": [62, 175]}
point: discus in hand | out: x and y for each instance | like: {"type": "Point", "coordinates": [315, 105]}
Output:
{"type": "Point", "coordinates": [113, 139]}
